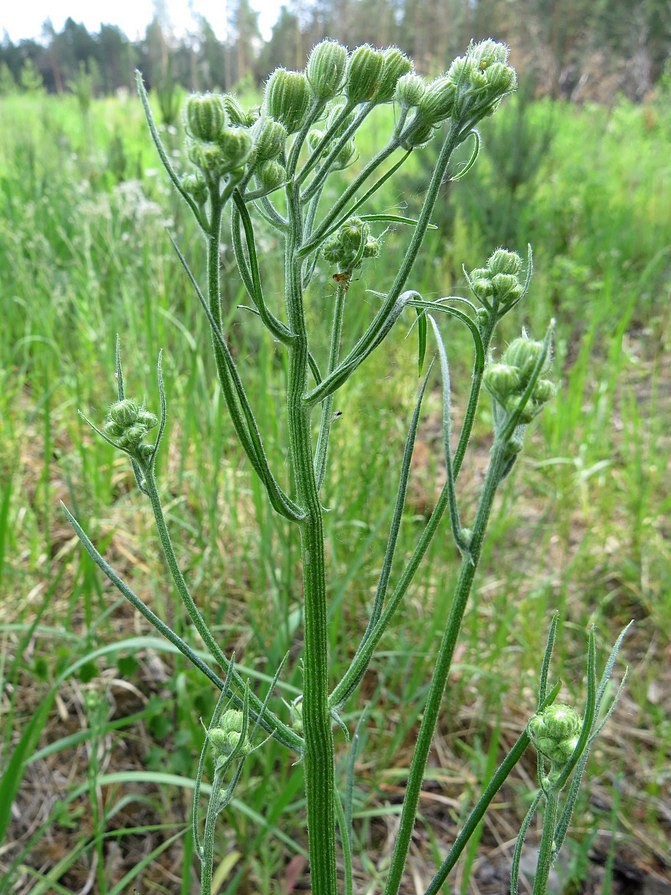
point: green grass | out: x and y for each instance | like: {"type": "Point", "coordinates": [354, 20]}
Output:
{"type": "Point", "coordinates": [580, 527]}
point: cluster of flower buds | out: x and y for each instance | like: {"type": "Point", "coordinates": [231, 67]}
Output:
{"type": "Point", "coordinates": [127, 425]}
{"type": "Point", "coordinates": [350, 244]}
{"type": "Point", "coordinates": [498, 285]}
{"type": "Point", "coordinates": [554, 733]}
{"type": "Point", "coordinates": [226, 738]}
{"type": "Point", "coordinates": [472, 88]}
{"type": "Point", "coordinates": [220, 140]}
{"type": "Point", "coordinates": [507, 381]}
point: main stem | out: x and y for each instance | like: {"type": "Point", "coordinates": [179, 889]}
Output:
{"type": "Point", "coordinates": [318, 757]}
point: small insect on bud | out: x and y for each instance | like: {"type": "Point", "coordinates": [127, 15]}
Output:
{"type": "Point", "coordinates": [396, 65]}
{"type": "Point", "coordinates": [205, 116]}
{"type": "Point", "coordinates": [364, 70]}
{"type": "Point", "coordinates": [287, 97]}
{"type": "Point", "coordinates": [409, 90]}
{"type": "Point", "coordinates": [326, 68]}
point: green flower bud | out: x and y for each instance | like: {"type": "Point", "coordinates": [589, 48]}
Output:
{"type": "Point", "coordinates": [503, 261]}
{"type": "Point", "coordinates": [131, 437]}
{"type": "Point", "coordinates": [364, 70]}
{"type": "Point", "coordinates": [325, 69]}
{"type": "Point", "coordinates": [287, 97]}
{"type": "Point", "coordinates": [544, 391]}
{"type": "Point", "coordinates": [128, 423]}
{"type": "Point", "coordinates": [205, 116]}
{"type": "Point", "coordinates": [409, 90]}
{"type": "Point", "coordinates": [236, 146]}
{"type": "Point", "coordinates": [346, 155]}
{"type": "Point", "coordinates": [501, 78]}
{"type": "Point", "coordinates": [482, 288]}
{"type": "Point", "coordinates": [195, 186]}
{"type": "Point", "coordinates": [124, 413]}
{"type": "Point", "coordinates": [270, 174]}
{"type": "Point", "coordinates": [437, 104]}
{"type": "Point", "coordinates": [523, 353]}
{"type": "Point", "coordinates": [488, 52]}
{"type": "Point", "coordinates": [270, 138]}
{"type": "Point", "coordinates": [209, 157]}
{"type": "Point", "coordinates": [507, 288]}
{"type": "Point", "coordinates": [235, 113]}
{"type": "Point", "coordinates": [396, 65]}
{"type": "Point", "coordinates": [502, 381]}
{"type": "Point", "coordinates": [420, 136]}
{"type": "Point", "coordinates": [554, 732]}
{"type": "Point", "coordinates": [225, 738]}
{"type": "Point", "coordinates": [349, 245]}
{"type": "Point", "coordinates": [314, 138]}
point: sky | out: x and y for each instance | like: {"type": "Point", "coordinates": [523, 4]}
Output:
{"type": "Point", "coordinates": [24, 19]}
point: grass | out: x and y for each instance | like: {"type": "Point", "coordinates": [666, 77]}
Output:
{"type": "Point", "coordinates": [101, 720]}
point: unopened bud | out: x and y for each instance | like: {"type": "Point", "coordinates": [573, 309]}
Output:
{"type": "Point", "coordinates": [205, 116]}
{"type": "Point", "coordinates": [554, 732]}
{"type": "Point", "coordinates": [287, 97]}
{"type": "Point", "coordinates": [396, 65]}
{"type": "Point", "coordinates": [236, 146]}
{"type": "Point", "coordinates": [364, 70]}
{"type": "Point", "coordinates": [437, 104]}
{"type": "Point", "coordinates": [409, 90]}
{"type": "Point", "coordinates": [501, 381]}
{"type": "Point", "coordinates": [196, 187]}
{"type": "Point", "coordinates": [270, 174]}
{"type": "Point", "coordinates": [325, 69]}
{"type": "Point", "coordinates": [269, 139]}
{"type": "Point", "coordinates": [503, 261]}
{"type": "Point", "coordinates": [225, 738]}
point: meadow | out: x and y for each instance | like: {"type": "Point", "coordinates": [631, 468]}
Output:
{"type": "Point", "coordinates": [101, 720]}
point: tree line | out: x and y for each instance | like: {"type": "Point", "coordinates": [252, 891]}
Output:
{"type": "Point", "coordinates": [576, 49]}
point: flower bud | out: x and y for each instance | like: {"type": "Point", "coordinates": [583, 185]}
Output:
{"type": "Point", "coordinates": [325, 69]}
{"type": "Point", "coordinates": [269, 139]}
{"type": "Point", "coordinates": [409, 90]}
{"type": "Point", "coordinates": [500, 78]}
{"type": "Point", "coordinates": [345, 156]}
{"type": "Point", "coordinates": [287, 97]}
{"type": "Point", "coordinates": [437, 104]}
{"type": "Point", "coordinates": [364, 70]}
{"type": "Point", "coordinates": [420, 136]}
{"type": "Point", "coordinates": [225, 738]}
{"type": "Point", "coordinates": [350, 244]}
{"type": "Point", "coordinates": [507, 288]}
{"type": "Point", "coordinates": [523, 353]}
{"type": "Point", "coordinates": [503, 261]}
{"type": "Point", "coordinates": [205, 116]}
{"type": "Point", "coordinates": [396, 65]}
{"type": "Point", "coordinates": [544, 391]}
{"type": "Point", "coordinates": [235, 113]}
{"type": "Point", "coordinates": [488, 52]}
{"type": "Point", "coordinates": [195, 186]}
{"type": "Point", "coordinates": [209, 157]}
{"type": "Point", "coordinates": [270, 175]}
{"type": "Point", "coordinates": [124, 413]}
{"type": "Point", "coordinates": [501, 381]}
{"type": "Point", "coordinates": [236, 146]}
{"type": "Point", "coordinates": [554, 732]}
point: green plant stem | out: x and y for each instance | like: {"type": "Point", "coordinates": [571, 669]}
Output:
{"type": "Point", "coordinates": [321, 450]}
{"type": "Point", "coordinates": [448, 644]}
{"type": "Point", "coordinates": [350, 680]}
{"type": "Point", "coordinates": [318, 756]}
{"type": "Point", "coordinates": [371, 336]}
{"type": "Point", "coordinates": [547, 847]}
